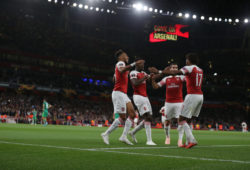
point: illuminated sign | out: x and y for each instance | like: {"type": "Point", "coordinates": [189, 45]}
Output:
{"type": "Point", "coordinates": [164, 33]}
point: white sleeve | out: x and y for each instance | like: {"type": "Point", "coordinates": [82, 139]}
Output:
{"type": "Point", "coordinates": [133, 75]}
{"type": "Point", "coordinates": [162, 82]}
{"type": "Point", "coordinates": [183, 78]}
{"type": "Point", "coordinates": [186, 69]}
{"type": "Point", "coordinates": [120, 65]}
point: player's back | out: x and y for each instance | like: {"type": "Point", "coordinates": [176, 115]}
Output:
{"type": "Point", "coordinates": [121, 79]}
{"type": "Point", "coordinates": [194, 77]}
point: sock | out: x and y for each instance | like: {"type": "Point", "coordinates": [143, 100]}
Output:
{"type": "Point", "coordinates": [139, 127]}
{"type": "Point", "coordinates": [181, 133]}
{"type": "Point", "coordinates": [127, 127]}
{"type": "Point", "coordinates": [191, 128]}
{"type": "Point", "coordinates": [167, 130]}
{"type": "Point", "coordinates": [114, 126]}
{"type": "Point", "coordinates": [148, 130]}
{"type": "Point", "coordinates": [189, 134]}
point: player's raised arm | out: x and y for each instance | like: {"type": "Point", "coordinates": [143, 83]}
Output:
{"type": "Point", "coordinates": [124, 68]}
{"type": "Point", "coordinates": [159, 84]}
{"type": "Point", "coordinates": [167, 71]}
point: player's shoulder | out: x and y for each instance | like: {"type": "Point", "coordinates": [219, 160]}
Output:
{"type": "Point", "coordinates": [182, 77]}
{"type": "Point", "coordinates": [168, 77]}
{"type": "Point", "coordinates": [120, 63]}
{"type": "Point", "coordinates": [133, 72]}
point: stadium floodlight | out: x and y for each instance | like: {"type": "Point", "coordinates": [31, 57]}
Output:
{"type": "Point", "coordinates": [180, 14]}
{"type": "Point", "coordinates": [97, 9]}
{"type": "Point", "coordinates": [145, 8]}
{"type": "Point", "coordinates": [86, 7]}
{"type": "Point", "coordinates": [237, 20]}
{"type": "Point", "coordinates": [122, 3]}
{"type": "Point", "coordinates": [194, 16]}
{"type": "Point", "coordinates": [215, 74]}
{"type": "Point", "coordinates": [80, 5]}
{"type": "Point", "coordinates": [150, 9]}
{"type": "Point", "coordinates": [156, 10]}
{"type": "Point", "coordinates": [225, 20]}
{"type": "Point", "coordinates": [116, 1]}
{"type": "Point", "coordinates": [102, 10]}
{"type": "Point", "coordinates": [172, 13]}
{"type": "Point", "coordinates": [62, 2]}
{"type": "Point", "coordinates": [49, 0]}
{"type": "Point", "coordinates": [138, 6]}
{"type": "Point", "coordinates": [246, 20]}
{"type": "Point", "coordinates": [216, 19]}
{"type": "Point", "coordinates": [210, 18]}
{"type": "Point", "coordinates": [74, 4]}
{"type": "Point", "coordinates": [108, 11]}
{"type": "Point", "coordinates": [229, 20]}
{"type": "Point", "coordinates": [161, 11]}
{"type": "Point", "coordinates": [202, 17]}
{"type": "Point", "coordinates": [110, 1]}
{"type": "Point", "coordinates": [55, 1]}
{"type": "Point", "coordinates": [220, 20]}
{"type": "Point", "coordinates": [91, 8]}
{"type": "Point", "coordinates": [187, 15]}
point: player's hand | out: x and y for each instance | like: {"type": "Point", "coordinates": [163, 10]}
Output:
{"type": "Point", "coordinates": [166, 70]}
{"type": "Point", "coordinates": [146, 77]}
{"type": "Point", "coordinates": [139, 62]}
{"type": "Point", "coordinates": [153, 70]}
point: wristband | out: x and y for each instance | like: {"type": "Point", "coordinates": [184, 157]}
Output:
{"type": "Point", "coordinates": [159, 71]}
{"type": "Point", "coordinates": [132, 64]}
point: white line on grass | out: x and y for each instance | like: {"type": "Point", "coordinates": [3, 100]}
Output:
{"type": "Point", "coordinates": [141, 154]}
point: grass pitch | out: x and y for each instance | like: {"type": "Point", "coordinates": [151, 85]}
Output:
{"type": "Point", "coordinates": [70, 147]}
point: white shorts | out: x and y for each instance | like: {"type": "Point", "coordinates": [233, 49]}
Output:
{"type": "Point", "coordinates": [120, 101]}
{"type": "Point", "coordinates": [192, 105]}
{"type": "Point", "coordinates": [143, 105]}
{"type": "Point", "coordinates": [173, 110]}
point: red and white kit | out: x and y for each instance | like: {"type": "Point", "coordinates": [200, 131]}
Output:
{"type": "Point", "coordinates": [119, 94]}
{"type": "Point", "coordinates": [174, 97]}
{"type": "Point", "coordinates": [194, 98]}
{"type": "Point", "coordinates": [140, 96]}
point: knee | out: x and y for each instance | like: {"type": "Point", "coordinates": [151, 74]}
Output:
{"type": "Point", "coordinates": [122, 116]}
{"type": "Point", "coordinates": [147, 117]}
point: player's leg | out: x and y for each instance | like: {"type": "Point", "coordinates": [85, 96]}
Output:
{"type": "Point", "coordinates": [167, 131]}
{"type": "Point", "coordinates": [170, 113]}
{"type": "Point", "coordinates": [197, 101]}
{"type": "Point", "coordinates": [147, 123]}
{"type": "Point", "coordinates": [139, 103]}
{"type": "Point", "coordinates": [120, 111]}
{"type": "Point", "coordinates": [128, 123]}
{"type": "Point", "coordinates": [186, 114]}
{"type": "Point", "coordinates": [180, 134]}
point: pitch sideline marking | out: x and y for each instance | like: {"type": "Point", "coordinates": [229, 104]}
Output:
{"type": "Point", "coordinates": [134, 153]}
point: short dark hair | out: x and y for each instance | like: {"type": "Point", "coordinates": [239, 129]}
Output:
{"type": "Point", "coordinates": [118, 53]}
{"type": "Point", "coordinates": [138, 58]}
{"type": "Point", "coordinates": [173, 64]}
{"type": "Point", "coordinates": [193, 58]}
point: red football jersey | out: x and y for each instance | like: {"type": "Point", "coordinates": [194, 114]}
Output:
{"type": "Point", "coordinates": [121, 79]}
{"type": "Point", "coordinates": [140, 89]}
{"type": "Point", "coordinates": [174, 86]}
{"type": "Point", "coordinates": [194, 77]}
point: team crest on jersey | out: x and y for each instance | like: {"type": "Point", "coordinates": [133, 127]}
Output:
{"type": "Point", "coordinates": [145, 108]}
{"type": "Point", "coordinates": [123, 109]}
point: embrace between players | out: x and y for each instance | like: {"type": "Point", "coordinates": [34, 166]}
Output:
{"type": "Point", "coordinates": [174, 105]}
